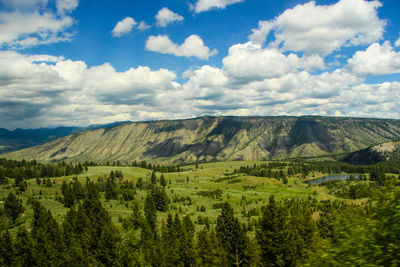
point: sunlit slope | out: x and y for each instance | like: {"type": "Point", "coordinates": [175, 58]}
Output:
{"type": "Point", "coordinates": [218, 138]}
{"type": "Point", "coordinates": [388, 151]}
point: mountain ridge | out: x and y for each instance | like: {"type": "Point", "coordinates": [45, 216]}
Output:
{"type": "Point", "coordinates": [211, 138]}
{"type": "Point", "coordinates": [11, 140]}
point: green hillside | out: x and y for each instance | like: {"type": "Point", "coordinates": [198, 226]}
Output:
{"type": "Point", "coordinates": [388, 151]}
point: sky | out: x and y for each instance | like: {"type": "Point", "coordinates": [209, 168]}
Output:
{"type": "Point", "coordinates": [76, 63]}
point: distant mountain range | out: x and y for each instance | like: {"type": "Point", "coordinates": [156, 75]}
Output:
{"type": "Point", "coordinates": [217, 138]}
{"type": "Point", "coordinates": [22, 138]}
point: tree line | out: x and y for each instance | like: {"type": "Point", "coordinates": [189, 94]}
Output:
{"type": "Point", "coordinates": [32, 169]}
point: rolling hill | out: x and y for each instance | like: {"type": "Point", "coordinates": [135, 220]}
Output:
{"type": "Point", "coordinates": [217, 138]}
{"type": "Point", "coordinates": [388, 151]}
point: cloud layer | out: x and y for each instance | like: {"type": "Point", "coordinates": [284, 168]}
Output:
{"type": "Point", "coordinates": [286, 68]}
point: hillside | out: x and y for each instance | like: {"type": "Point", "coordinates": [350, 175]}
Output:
{"type": "Point", "coordinates": [217, 138]}
{"type": "Point", "coordinates": [22, 138]}
{"type": "Point", "coordinates": [388, 151]}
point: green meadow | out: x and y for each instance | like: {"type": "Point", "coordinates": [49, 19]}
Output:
{"type": "Point", "coordinates": [244, 193]}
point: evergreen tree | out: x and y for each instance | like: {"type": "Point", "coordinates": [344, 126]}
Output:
{"type": "Point", "coordinates": [91, 190]}
{"type": "Point", "coordinates": [209, 250]}
{"type": "Point", "coordinates": [278, 238]}
{"type": "Point", "coordinates": [150, 212]}
{"type": "Point", "coordinates": [69, 198]}
{"type": "Point", "coordinates": [107, 246]}
{"type": "Point", "coordinates": [48, 182]}
{"type": "Point", "coordinates": [13, 207]}
{"type": "Point", "coordinates": [20, 183]}
{"type": "Point", "coordinates": [140, 183]}
{"type": "Point", "coordinates": [102, 236]}
{"type": "Point", "coordinates": [163, 182]}
{"type": "Point", "coordinates": [189, 256]}
{"type": "Point", "coordinates": [147, 241]}
{"type": "Point", "coordinates": [111, 190]}
{"type": "Point", "coordinates": [172, 240]}
{"type": "Point", "coordinates": [230, 232]}
{"type": "Point", "coordinates": [77, 188]}
{"type": "Point", "coordinates": [7, 252]}
{"type": "Point", "coordinates": [153, 178]}
{"type": "Point", "coordinates": [160, 198]}
{"type": "Point", "coordinates": [136, 219]}
{"type": "Point", "coordinates": [46, 235]}
{"type": "Point", "coordinates": [24, 253]}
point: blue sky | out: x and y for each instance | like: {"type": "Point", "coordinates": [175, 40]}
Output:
{"type": "Point", "coordinates": [70, 62]}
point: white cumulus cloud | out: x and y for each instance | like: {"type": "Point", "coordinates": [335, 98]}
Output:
{"type": "Point", "coordinates": [166, 16]}
{"type": "Point", "coordinates": [123, 27]}
{"type": "Point", "coordinates": [143, 26]}
{"type": "Point", "coordinates": [31, 23]}
{"type": "Point", "coordinates": [397, 43]}
{"type": "Point", "coordinates": [249, 61]}
{"type": "Point", "coordinates": [65, 6]}
{"type": "Point", "coordinates": [205, 5]}
{"type": "Point", "coordinates": [322, 29]}
{"type": "Point", "coordinates": [25, 4]}
{"type": "Point", "coordinates": [42, 90]}
{"type": "Point", "coordinates": [193, 46]}
{"type": "Point", "coordinates": [376, 60]}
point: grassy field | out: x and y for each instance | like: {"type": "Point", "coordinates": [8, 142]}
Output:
{"type": "Point", "coordinates": [243, 192]}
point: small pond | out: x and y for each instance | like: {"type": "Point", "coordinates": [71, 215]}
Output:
{"type": "Point", "coordinates": [334, 177]}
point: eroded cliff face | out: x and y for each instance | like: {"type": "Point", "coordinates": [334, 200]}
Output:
{"type": "Point", "coordinates": [217, 138]}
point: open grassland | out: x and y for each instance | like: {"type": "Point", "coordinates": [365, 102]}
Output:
{"type": "Point", "coordinates": [187, 191]}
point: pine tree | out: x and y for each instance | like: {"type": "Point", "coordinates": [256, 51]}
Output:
{"type": "Point", "coordinates": [153, 177]}
{"type": "Point", "coordinates": [77, 189]}
{"type": "Point", "coordinates": [7, 252]}
{"type": "Point", "coordinates": [189, 256]}
{"type": "Point", "coordinates": [160, 198]}
{"type": "Point", "coordinates": [147, 241]}
{"type": "Point", "coordinates": [171, 239]}
{"type": "Point", "coordinates": [23, 248]}
{"type": "Point", "coordinates": [163, 182]}
{"type": "Point", "coordinates": [69, 198]}
{"type": "Point", "coordinates": [136, 217]}
{"type": "Point", "coordinates": [46, 235]}
{"type": "Point", "coordinates": [13, 207]}
{"type": "Point", "coordinates": [230, 232]}
{"type": "Point", "coordinates": [150, 212]}
{"type": "Point", "coordinates": [91, 190]}
{"type": "Point", "coordinates": [111, 190]}
{"type": "Point", "coordinates": [107, 246]}
{"type": "Point", "coordinates": [273, 236]}
{"type": "Point", "coordinates": [218, 255]}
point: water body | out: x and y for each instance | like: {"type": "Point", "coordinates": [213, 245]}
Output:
{"type": "Point", "coordinates": [335, 177]}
